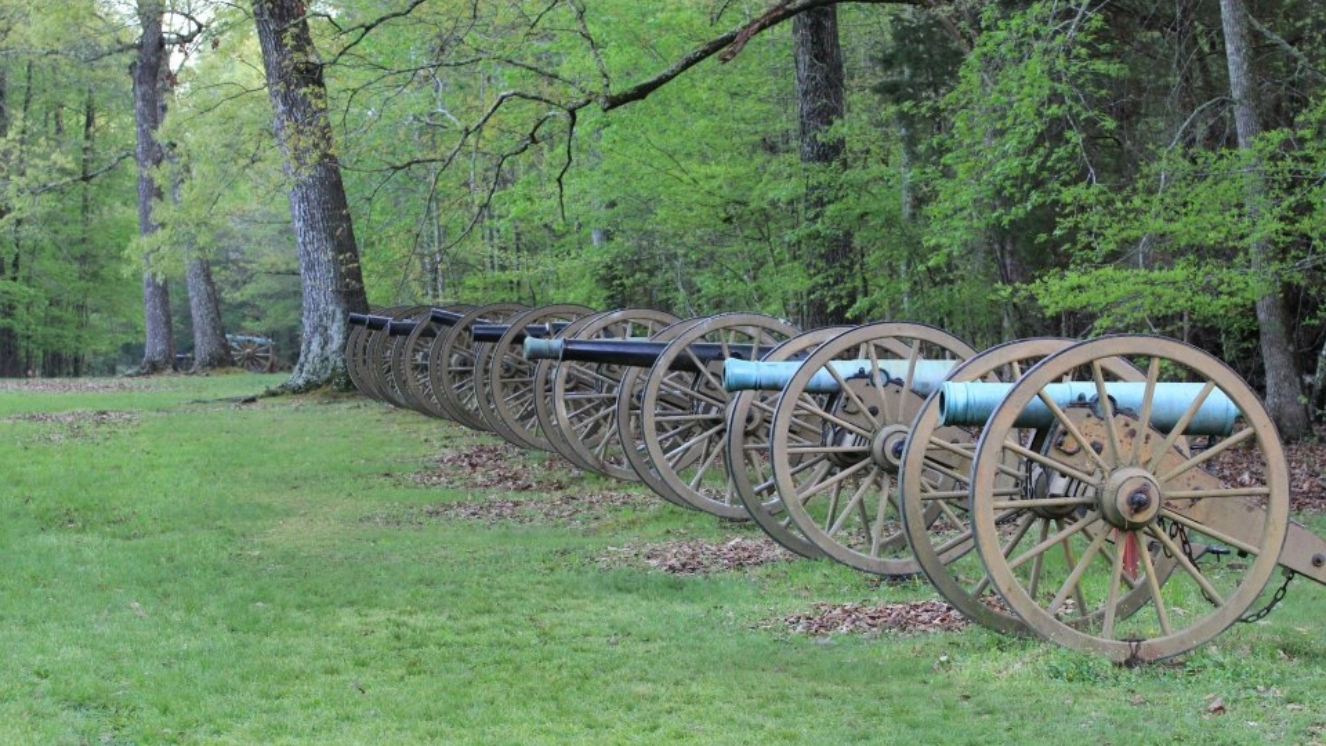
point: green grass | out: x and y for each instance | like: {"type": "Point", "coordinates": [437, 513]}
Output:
{"type": "Point", "coordinates": [189, 569]}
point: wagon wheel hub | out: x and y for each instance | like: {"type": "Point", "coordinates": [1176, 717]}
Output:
{"type": "Point", "coordinates": [888, 447]}
{"type": "Point", "coordinates": [1131, 499]}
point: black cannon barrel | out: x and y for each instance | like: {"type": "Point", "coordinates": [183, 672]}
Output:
{"type": "Point", "coordinates": [444, 317]}
{"type": "Point", "coordinates": [638, 353]}
{"type": "Point", "coordinates": [401, 327]}
{"type": "Point", "coordinates": [495, 332]}
{"type": "Point", "coordinates": [376, 323]}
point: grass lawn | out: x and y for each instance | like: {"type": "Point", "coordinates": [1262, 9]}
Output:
{"type": "Point", "coordinates": [183, 567]}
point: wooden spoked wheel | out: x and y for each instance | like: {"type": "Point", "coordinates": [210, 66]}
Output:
{"type": "Point", "coordinates": [413, 364]}
{"type": "Point", "coordinates": [384, 353]}
{"type": "Point", "coordinates": [544, 410]}
{"type": "Point", "coordinates": [839, 486]}
{"type": "Point", "coordinates": [630, 436]}
{"type": "Point", "coordinates": [366, 372]}
{"type": "Point", "coordinates": [582, 409]}
{"type": "Point", "coordinates": [683, 414]}
{"type": "Point", "coordinates": [506, 398]}
{"type": "Point", "coordinates": [749, 416]}
{"type": "Point", "coordinates": [935, 479]}
{"type": "Point", "coordinates": [1112, 464]}
{"type": "Point", "coordinates": [409, 362]}
{"type": "Point", "coordinates": [454, 360]}
{"type": "Point", "coordinates": [252, 353]}
{"type": "Point", "coordinates": [353, 341]}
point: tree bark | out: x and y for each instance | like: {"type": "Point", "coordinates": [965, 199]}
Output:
{"type": "Point", "coordinates": [210, 349]}
{"type": "Point", "coordinates": [820, 86]}
{"type": "Point", "coordinates": [332, 284]}
{"type": "Point", "coordinates": [149, 109]}
{"type": "Point", "coordinates": [1284, 380]}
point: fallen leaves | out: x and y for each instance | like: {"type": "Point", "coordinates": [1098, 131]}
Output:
{"type": "Point", "coordinates": [571, 508]}
{"type": "Point", "coordinates": [1242, 466]}
{"type": "Point", "coordinates": [855, 618]}
{"type": "Point", "coordinates": [76, 424]}
{"type": "Point", "coordinates": [489, 467]}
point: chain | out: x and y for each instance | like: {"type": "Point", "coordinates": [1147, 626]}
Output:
{"type": "Point", "coordinates": [1178, 531]}
{"type": "Point", "coordinates": [1276, 598]}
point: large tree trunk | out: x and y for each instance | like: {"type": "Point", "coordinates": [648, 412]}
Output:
{"type": "Point", "coordinates": [324, 236]}
{"type": "Point", "coordinates": [1284, 380]}
{"type": "Point", "coordinates": [149, 109]}
{"type": "Point", "coordinates": [820, 103]}
{"type": "Point", "coordinates": [210, 349]}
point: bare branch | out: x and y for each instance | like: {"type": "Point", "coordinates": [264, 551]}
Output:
{"type": "Point", "coordinates": [363, 29]}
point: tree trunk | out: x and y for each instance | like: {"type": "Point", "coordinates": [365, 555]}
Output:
{"type": "Point", "coordinates": [820, 103]}
{"type": "Point", "coordinates": [1284, 380]}
{"type": "Point", "coordinates": [210, 349]}
{"type": "Point", "coordinates": [149, 109]}
{"type": "Point", "coordinates": [324, 236]}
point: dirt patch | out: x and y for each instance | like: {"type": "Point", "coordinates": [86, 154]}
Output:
{"type": "Point", "coordinates": [919, 616]}
{"type": "Point", "coordinates": [78, 424]}
{"type": "Point", "coordinates": [1307, 471]}
{"type": "Point", "coordinates": [492, 467]}
{"type": "Point", "coordinates": [697, 557]}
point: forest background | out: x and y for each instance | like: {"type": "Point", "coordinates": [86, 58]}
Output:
{"type": "Point", "coordinates": [997, 169]}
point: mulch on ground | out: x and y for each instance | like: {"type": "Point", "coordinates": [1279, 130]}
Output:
{"type": "Point", "coordinates": [855, 618]}
{"type": "Point", "coordinates": [1307, 471]}
{"type": "Point", "coordinates": [698, 556]}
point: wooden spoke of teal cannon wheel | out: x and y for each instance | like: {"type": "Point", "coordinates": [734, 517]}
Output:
{"type": "Point", "coordinates": [383, 352]}
{"type": "Point", "coordinates": [749, 418]}
{"type": "Point", "coordinates": [1114, 460]}
{"type": "Point", "coordinates": [506, 384]}
{"type": "Point", "coordinates": [629, 443]}
{"type": "Point", "coordinates": [936, 478]}
{"type": "Point", "coordinates": [840, 488]}
{"type": "Point", "coordinates": [454, 360]}
{"type": "Point", "coordinates": [581, 411]}
{"type": "Point", "coordinates": [413, 364]}
{"type": "Point", "coordinates": [683, 415]}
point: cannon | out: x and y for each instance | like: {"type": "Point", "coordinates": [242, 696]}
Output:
{"type": "Point", "coordinates": [835, 442]}
{"type": "Point", "coordinates": [579, 413]}
{"type": "Point", "coordinates": [1116, 508]}
{"type": "Point", "coordinates": [252, 352]}
{"type": "Point", "coordinates": [505, 389]}
{"type": "Point", "coordinates": [670, 406]}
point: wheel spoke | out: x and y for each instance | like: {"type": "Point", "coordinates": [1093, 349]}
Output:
{"type": "Point", "coordinates": [1070, 584]}
{"type": "Point", "coordinates": [1209, 453]}
{"type": "Point", "coordinates": [1059, 537]}
{"type": "Point", "coordinates": [1180, 427]}
{"type": "Point", "coordinates": [1176, 552]}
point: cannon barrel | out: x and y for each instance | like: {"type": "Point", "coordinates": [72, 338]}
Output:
{"type": "Point", "coordinates": [633, 351]}
{"type": "Point", "coordinates": [374, 322]}
{"type": "Point", "coordinates": [746, 375]}
{"type": "Point", "coordinates": [495, 332]}
{"type": "Point", "coordinates": [444, 317]}
{"type": "Point", "coordinates": [971, 404]}
{"type": "Point", "coordinates": [400, 327]}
